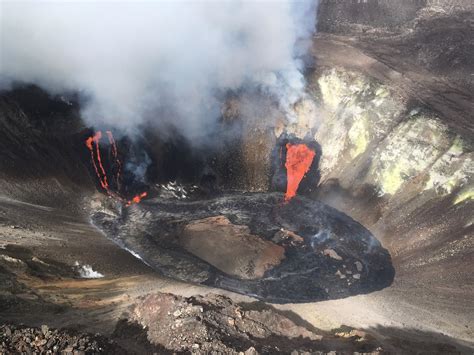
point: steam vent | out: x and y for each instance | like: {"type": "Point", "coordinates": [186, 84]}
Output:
{"type": "Point", "coordinates": [237, 177]}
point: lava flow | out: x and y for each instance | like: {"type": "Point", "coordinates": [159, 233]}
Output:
{"type": "Point", "coordinates": [93, 144]}
{"type": "Point", "coordinates": [298, 162]}
{"type": "Point", "coordinates": [115, 155]}
{"type": "Point", "coordinates": [99, 169]}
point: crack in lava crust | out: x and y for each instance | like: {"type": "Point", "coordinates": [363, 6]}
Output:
{"type": "Point", "coordinates": [300, 251]}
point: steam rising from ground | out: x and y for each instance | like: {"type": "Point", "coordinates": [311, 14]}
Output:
{"type": "Point", "coordinates": [156, 61]}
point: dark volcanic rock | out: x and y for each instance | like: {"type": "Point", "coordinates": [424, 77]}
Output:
{"type": "Point", "coordinates": [326, 254]}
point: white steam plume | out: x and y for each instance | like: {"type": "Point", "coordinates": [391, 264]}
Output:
{"type": "Point", "coordinates": [156, 61]}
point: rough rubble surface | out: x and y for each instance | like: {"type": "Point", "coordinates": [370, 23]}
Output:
{"type": "Point", "coordinates": [215, 324]}
{"type": "Point", "coordinates": [26, 340]}
{"type": "Point", "coordinates": [326, 253]}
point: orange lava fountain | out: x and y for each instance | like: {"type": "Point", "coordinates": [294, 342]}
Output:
{"type": "Point", "coordinates": [298, 162]}
{"type": "Point", "coordinates": [93, 144]}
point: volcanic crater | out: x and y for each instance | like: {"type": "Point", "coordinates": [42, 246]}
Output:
{"type": "Point", "coordinates": [357, 214]}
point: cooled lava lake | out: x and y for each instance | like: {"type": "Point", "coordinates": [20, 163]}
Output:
{"type": "Point", "coordinates": [255, 244]}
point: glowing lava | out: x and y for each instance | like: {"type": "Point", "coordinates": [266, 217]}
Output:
{"type": "Point", "coordinates": [98, 167]}
{"type": "Point", "coordinates": [137, 198]}
{"type": "Point", "coordinates": [93, 144]}
{"type": "Point", "coordinates": [115, 155]}
{"type": "Point", "coordinates": [298, 161]}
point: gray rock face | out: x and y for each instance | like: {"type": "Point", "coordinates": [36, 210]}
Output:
{"type": "Point", "coordinates": [349, 17]}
